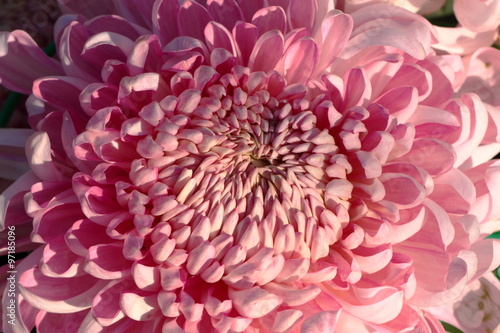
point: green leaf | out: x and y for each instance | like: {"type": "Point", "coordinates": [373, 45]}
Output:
{"type": "Point", "coordinates": [450, 328]}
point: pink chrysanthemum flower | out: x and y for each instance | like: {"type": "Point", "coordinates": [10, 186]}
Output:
{"type": "Point", "coordinates": [246, 166]}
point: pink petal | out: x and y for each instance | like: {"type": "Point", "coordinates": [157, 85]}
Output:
{"type": "Point", "coordinates": [254, 302]}
{"type": "Point", "coordinates": [454, 192]}
{"type": "Point", "coordinates": [59, 295]}
{"type": "Point", "coordinates": [325, 321]}
{"type": "Point", "coordinates": [463, 41]}
{"type": "Point", "coordinates": [292, 296]}
{"type": "Point", "coordinates": [331, 39]}
{"type": "Point", "coordinates": [381, 25]}
{"type": "Point", "coordinates": [267, 52]}
{"type": "Point", "coordinates": [23, 62]}
{"type": "Point", "coordinates": [478, 15]}
{"type": "Point", "coordinates": [286, 319]}
{"type": "Point", "coordinates": [139, 307]}
{"type": "Point", "coordinates": [304, 52]}
{"type": "Point", "coordinates": [40, 159]}
{"type": "Point", "coordinates": [421, 151]}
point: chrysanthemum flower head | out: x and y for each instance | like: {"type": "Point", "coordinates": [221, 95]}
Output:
{"type": "Point", "coordinates": [247, 166]}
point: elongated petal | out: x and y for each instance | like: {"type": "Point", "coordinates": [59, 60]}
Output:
{"type": "Point", "coordinates": [17, 51]}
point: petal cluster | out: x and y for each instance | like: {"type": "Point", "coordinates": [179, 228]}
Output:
{"type": "Point", "coordinates": [272, 166]}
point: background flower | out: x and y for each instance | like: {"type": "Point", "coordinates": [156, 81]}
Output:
{"type": "Point", "coordinates": [477, 309]}
{"type": "Point", "coordinates": [479, 21]}
{"type": "Point", "coordinates": [270, 166]}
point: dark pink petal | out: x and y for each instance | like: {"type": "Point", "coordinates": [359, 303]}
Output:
{"type": "Point", "coordinates": [55, 322]}
{"type": "Point", "coordinates": [62, 92]}
{"type": "Point", "coordinates": [12, 161]}
{"type": "Point", "coordinates": [402, 190]}
{"type": "Point", "coordinates": [442, 90]}
{"type": "Point", "coordinates": [59, 261]}
{"type": "Point", "coordinates": [23, 62]}
{"type": "Point", "coordinates": [106, 304]}
{"type": "Point", "coordinates": [415, 76]}
{"type": "Point", "coordinates": [270, 18]}
{"type": "Point", "coordinates": [357, 89]}
{"type": "Point", "coordinates": [217, 36]}
{"type": "Point", "coordinates": [146, 56]}
{"type": "Point", "coordinates": [302, 14]}
{"type": "Point", "coordinates": [474, 118]}
{"type": "Point", "coordinates": [165, 20]}
{"type": "Point", "coordinates": [106, 262]}
{"type": "Point", "coordinates": [136, 12]}
{"type": "Point", "coordinates": [90, 9]}
{"type": "Point", "coordinates": [115, 24]}
{"type": "Point", "coordinates": [70, 50]}
{"type": "Point", "coordinates": [21, 185]}
{"type": "Point", "coordinates": [400, 102]}
{"type": "Point", "coordinates": [83, 234]}
{"type": "Point", "coordinates": [245, 36]}
{"type": "Point", "coordinates": [227, 12]}
{"type": "Point", "coordinates": [106, 46]}
{"type": "Point", "coordinates": [196, 27]}
{"type": "Point", "coordinates": [249, 7]}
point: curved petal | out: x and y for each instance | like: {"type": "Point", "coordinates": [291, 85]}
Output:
{"type": "Point", "coordinates": [392, 26]}
{"type": "Point", "coordinates": [478, 15]}
{"type": "Point", "coordinates": [89, 9]}
{"type": "Point", "coordinates": [59, 295]}
{"type": "Point", "coordinates": [267, 51]}
{"type": "Point", "coordinates": [22, 62]}
{"type": "Point", "coordinates": [462, 41]}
